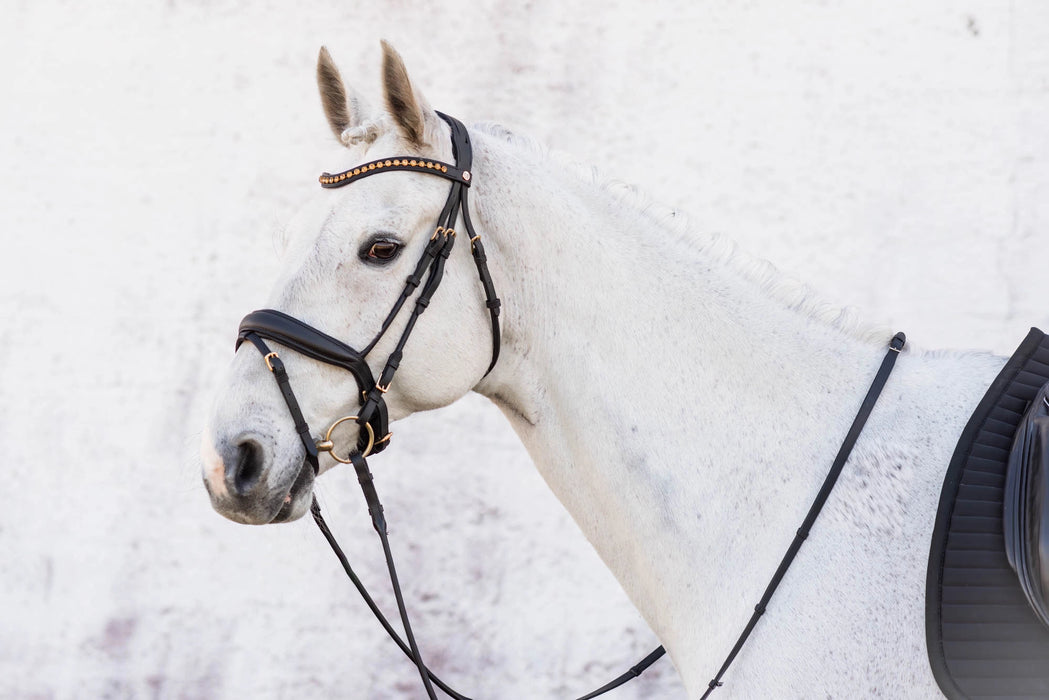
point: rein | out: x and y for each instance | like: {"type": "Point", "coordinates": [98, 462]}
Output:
{"type": "Point", "coordinates": [372, 417]}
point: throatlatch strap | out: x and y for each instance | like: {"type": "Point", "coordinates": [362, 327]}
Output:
{"type": "Point", "coordinates": [491, 301]}
{"type": "Point", "coordinates": [895, 347]}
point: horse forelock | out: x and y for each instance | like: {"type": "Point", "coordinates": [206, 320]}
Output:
{"type": "Point", "coordinates": [366, 132]}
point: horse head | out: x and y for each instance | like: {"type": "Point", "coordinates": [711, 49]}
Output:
{"type": "Point", "coordinates": [347, 255]}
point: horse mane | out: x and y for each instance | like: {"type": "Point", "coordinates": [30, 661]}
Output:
{"type": "Point", "coordinates": [717, 248]}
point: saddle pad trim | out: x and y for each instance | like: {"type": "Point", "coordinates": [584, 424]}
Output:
{"type": "Point", "coordinates": [982, 473]}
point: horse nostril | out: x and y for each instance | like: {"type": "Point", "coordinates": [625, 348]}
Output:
{"type": "Point", "coordinates": [246, 469]}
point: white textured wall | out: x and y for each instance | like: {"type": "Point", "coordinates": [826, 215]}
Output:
{"type": "Point", "coordinates": [893, 154]}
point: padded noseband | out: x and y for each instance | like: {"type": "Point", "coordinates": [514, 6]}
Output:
{"type": "Point", "coordinates": [307, 340]}
{"type": "Point", "coordinates": [290, 331]}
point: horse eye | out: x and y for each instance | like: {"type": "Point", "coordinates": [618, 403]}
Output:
{"type": "Point", "coordinates": [383, 250]}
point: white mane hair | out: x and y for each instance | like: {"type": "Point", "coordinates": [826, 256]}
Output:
{"type": "Point", "coordinates": [718, 248]}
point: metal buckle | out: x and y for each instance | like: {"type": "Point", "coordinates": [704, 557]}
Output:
{"type": "Point", "coordinates": [267, 359]}
{"type": "Point", "coordinates": [326, 445]}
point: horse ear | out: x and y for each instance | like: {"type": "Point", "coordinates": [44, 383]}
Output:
{"type": "Point", "coordinates": [409, 109]}
{"type": "Point", "coordinates": [342, 108]}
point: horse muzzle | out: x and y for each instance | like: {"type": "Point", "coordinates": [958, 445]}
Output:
{"type": "Point", "coordinates": [238, 477]}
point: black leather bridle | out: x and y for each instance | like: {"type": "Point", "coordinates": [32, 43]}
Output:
{"type": "Point", "coordinates": [372, 417]}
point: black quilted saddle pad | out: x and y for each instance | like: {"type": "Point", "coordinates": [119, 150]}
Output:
{"type": "Point", "coordinates": [984, 640]}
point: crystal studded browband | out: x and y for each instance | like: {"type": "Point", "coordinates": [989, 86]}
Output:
{"type": "Point", "coordinates": [434, 167]}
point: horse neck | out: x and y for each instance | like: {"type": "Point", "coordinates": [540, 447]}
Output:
{"type": "Point", "coordinates": [652, 380]}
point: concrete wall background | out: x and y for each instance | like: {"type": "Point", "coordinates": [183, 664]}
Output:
{"type": "Point", "coordinates": [895, 155]}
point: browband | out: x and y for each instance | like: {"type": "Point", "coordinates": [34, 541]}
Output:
{"type": "Point", "coordinates": [432, 167]}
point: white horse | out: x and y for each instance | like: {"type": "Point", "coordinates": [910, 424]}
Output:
{"type": "Point", "coordinates": [683, 401]}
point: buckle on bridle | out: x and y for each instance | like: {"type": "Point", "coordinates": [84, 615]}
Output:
{"type": "Point", "coordinates": [326, 445]}
{"type": "Point", "coordinates": [267, 359]}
